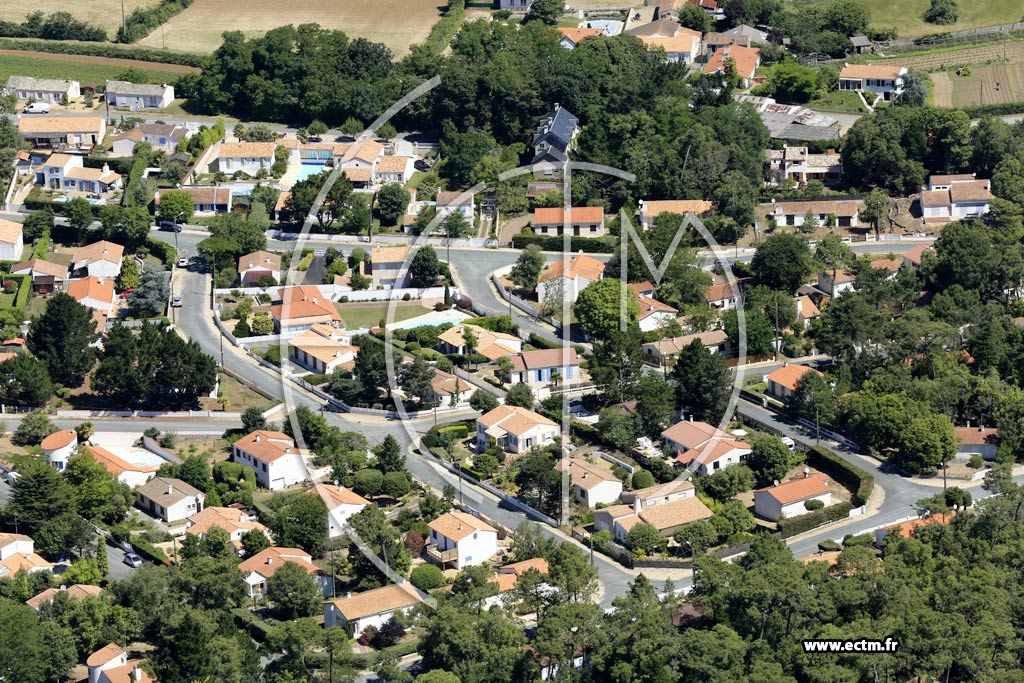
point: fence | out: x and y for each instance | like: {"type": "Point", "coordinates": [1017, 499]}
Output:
{"type": "Point", "coordinates": [527, 308]}
{"type": "Point", "coordinates": [615, 461]}
{"type": "Point", "coordinates": [150, 413]}
{"type": "Point", "coordinates": [333, 291]}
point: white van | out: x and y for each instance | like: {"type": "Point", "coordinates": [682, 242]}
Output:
{"type": "Point", "coordinates": [37, 108]}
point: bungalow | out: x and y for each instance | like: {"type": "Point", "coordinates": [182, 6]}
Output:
{"type": "Point", "coordinates": [650, 209]}
{"type": "Point", "coordinates": [362, 155]}
{"type": "Point", "coordinates": [160, 136]}
{"type": "Point", "coordinates": [667, 518]}
{"type": "Point", "coordinates": [258, 265]}
{"type": "Point", "coordinates": [752, 34]}
{"type": "Point", "coordinates": [806, 311]}
{"type": "Point", "coordinates": [132, 474]}
{"type": "Point", "coordinates": [78, 591]}
{"type": "Point", "coordinates": [745, 59]}
{"type": "Point", "coordinates": [93, 292]}
{"type": "Point", "coordinates": [790, 498]}
{"type": "Point", "coordinates": [798, 165]}
{"type": "Point", "coordinates": [843, 282]}
{"type": "Point", "coordinates": [18, 553]}
{"type": "Point", "coordinates": [66, 172]}
{"type": "Point", "coordinates": [261, 567]}
{"type": "Point", "coordinates": [722, 295]}
{"type": "Point", "coordinates": [507, 578]}
{"type": "Point", "coordinates": [278, 463]}
{"type": "Point", "coordinates": [246, 157]}
{"type": "Point", "coordinates": [341, 504]}
{"type": "Point", "coordinates": [447, 203]}
{"type": "Point", "coordinates": [515, 429]}
{"type": "Point", "coordinates": [449, 390]}
{"type": "Point", "coordinates": [552, 142]}
{"type": "Point", "coordinates": [110, 664]}
{"type": "Point", "coordinates": [538, 368]}
{"type": "Point", "coordinates": [591, 484]}
{"type": "Point", "coordinates": [887, 264]}
{"type": "Point", "coordinates": [60, 132]}
{"type": "Point", "coordinates": [681, 44]}
{"type": "Point", "coordinates": [236, 523]}
{"type": "Point", "coordinates": [659, 494]}
{"type": "Point", "coordinates": [842, 213]}
{"type": "Point", "coordinates": [782, 382]}
{"type": "Point", "coordinates": [882, 79]}
{"type": "Point", "coordinates": [654, 314]}
{"type": "Point", "coordinates": [386, 265]}
{"type": "Point", "coordinates": [662, 353]}
{"type": "Point", "coordinates": [138, 95]}
{"type": "Point", "coordinates": [716, 41]}
{"type": "Point", "coordinates": [49, 90]}
{"type": "Point", "coordinates": [955, 197]}
{"type": "Point", "coordinates": [702, 447]}
{"type": "Point", "coordinates": [912, 258]}
{"type": "Point", "coordinates": [572, 275]}
{"type": "Point", "coordinates": [302, 306]}
{"type": "Point", "coordinates": [170, 500]}
{"type": "Point", "coordinates": [583, 221]}
{"type": "Point", "coordinates": [371, 608]}
{"type": "Point", "coordinates": [977, 441]}
{"type": "Point", "coordinates": [491, 345]}
{"type": "Point", "coordinates": [100, 259]}
{"type": "Point", "coordinates": [321, 349]}
{"type": "Point", "coordinates": [393, 169]}
{"type": "Point", "coordinates": [515, 5]}
{"type": "Point", "coordinates": [571, 37]}
{"type": "Point", "coordinates": [11, 240]}
{"type": "Point", "coordinates": [208, 200]}
{"type": "Point", "coordinates": [670, 8]}
{"type": "Point", "coordinates": [59, 447]}
{"type": "Point", "coordinates": [461, 538]}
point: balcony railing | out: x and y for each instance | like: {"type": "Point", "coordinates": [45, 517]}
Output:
{"type": "Point", "coordinates": [442, 556]}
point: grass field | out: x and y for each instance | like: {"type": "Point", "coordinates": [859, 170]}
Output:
{"type": "Point", "coordinates": [359, 315]}
{"type": "Point", "coordinates": [907, 15]}
{"type": "Point", "coordinates": [79, 68]}
{"type": "Point", "coordinates": [396, 23]}
{"type": "Point", "coordinates": [980, 86]}
{"type": "Point", "coordinates": [103, 13]}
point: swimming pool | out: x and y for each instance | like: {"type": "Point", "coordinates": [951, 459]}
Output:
{"type": "Point", "coordinates": [309, 168]}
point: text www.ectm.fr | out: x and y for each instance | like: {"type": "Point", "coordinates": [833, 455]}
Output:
{"type": "Point", "coordinates": [862, 645]}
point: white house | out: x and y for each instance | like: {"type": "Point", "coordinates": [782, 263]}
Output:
{"type": "Point", "coordinates": [681, 45]}
{"type": "Point", "coordinates": [110, 664]}
{"type": "Point", "coordinates": [247, 157]}
{"type": "Point", "coordinates": [49, 90]}
{"type": "Point", "coordinates": [261, 567]}
{"type": "Point", "coordinates": [11, 240]}
{"type": "Point", "coordinates": [955, 197]}
{"type": "Point", "coordinates": [386, 266]}
{"type": "Point", "coordinates": [659, 493]}
{"type": "Point", "coordinates": [93, 292]}
{"type": "Point", "coordinates": [515, 5]}
{"type": "Point", "coordinates": [492, 345]}
{"type": "Point", "coordinates": [160, 136]}
{"type": "Point", "coordinates": [236, 523]}
{"type": "Point", "coordinates": [662, 353]}
{"type": "Point", "coordinates": [100, 259]}
{"type": "Point", "coordinates": [450, 391]}
{"type": "Point", "coordinates": [842, 213]}
{"type": "Point", "coordinates": [322, 348]}
{"type": "Point", "coordinates": [207, 200]}
{"type": "Point", "coordinates": [667, 517]}
{"type": "Point", "coordinates": [132, 474]}
{"type": "Point", "coordinates": [371, 608]}
{"type": "Point", "coordinates": [882, 79]}
{"type": "Point", "coordinates": [448, 202]}
{"type": "Point", "coordinates": [171, 500]}
{"type": "Point", "coordinates": [654, 314]}
{"type": "Point", "coordinates": [650, 209]}
{"type": "Point", "coordinates": [912, 259]}
{"type": "Point", "coordinates": [782, 382]}
{"type": "Point", "coordinates": [703, 448]}
{"type": "Point", "coordinates": [59, 446]}
{"type": "Point", "coordinates": [278, 463]}
{"type": "Point", "coordinates": [138, 95]}
{"type": "Point", "coordinates": [515, 429]}
{"type": "Point", "coordinates": [977, 441]}
{"type": "Point", "coordinates": [259, 264]}
{"type": "Point", "coordinates": [571, 275]}
{"type": "Point", "coordinates": [539, 368]}
{"type": "Point", "coordinates": [789, 498]}
{"type": "Point", "coordinates": [17, 553]}
{"type": "Point", "coordinates": [722, 295]}
{"type": "Point", "coordinates": [799, 165]}
{"type": "Point", "coordinates": [591, 484]}
{"type": "Point", "coordinates": [66, 172]}
{"type": "Point", "coordinates": [461, 538]}
{"type": "Point", "coordinates": [77, 591]}
{"type": "Point", "coordinates": [301, 307]}
{"type": "Point", "coordinates": [583, 221]}
{"type": "Point", "coordinates": [393, 169]}
{"type": "Point", "coordinates": [56, 132]}
{"type": "Point", "coordinates": [843, 282]}
{"type": "Point", "coordinates": [341, 504]}
{"type": "Point", "coordinates": [572, 36]}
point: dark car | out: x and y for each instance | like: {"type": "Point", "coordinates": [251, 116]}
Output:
{"type": "Point", "coordinates": [170, 226]}
{"type": "Point", "coordinates": [421, 165]}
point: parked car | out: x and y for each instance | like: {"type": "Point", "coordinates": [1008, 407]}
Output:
{"type": "Point", "coordinates": [132, 560]}
{"type": "Point", "coordinates": [182, 261]}
{"type": "Point", "coordinates": [11, 477]}
{"type": "Point", "coordinates": [176, 302]}
{"type": "Point", "coordinates": [37, 108]}
{"type": "Point", "coordinates": [421, 165]}
{"type": "Point", "coordinates": [170, 226]}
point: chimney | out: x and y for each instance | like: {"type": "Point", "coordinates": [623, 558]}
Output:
{"type": "Point", "coordinates": [775, 482]}
{"type": "Point", "coordinates": [63, 587]}
{"type": "Point", "coordinates": [257, 439]}
{"type": "Point", "coordinates": [270, 560]}
{"type": "Point", "coordinates": [807, 472]}
{"type": "Point", "coordinates": [241, 518]}
{"type": "Point", "coordinates": [636, 505]}
{"type": "Point", "coordinates": [170, 489]}
{"type": "Point", "coordinates": [106, 167]}
{"type": "Point", "coordinates": [349, 594]}
{"type": "Point", "coordinates": [691, 417]}
{"type": "Point", "coordinates": [136, 673]}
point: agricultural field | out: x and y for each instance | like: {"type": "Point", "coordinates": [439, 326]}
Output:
{"type": "Point", "coordinates": [980, 87]}
{"type": "Point", "coordinates": [103, 13]}
{"type": "Point", "coordinates": [907, 15]}
{"type": "Point", "coordinates": [396, 23]}
{"type": "Point", "coordinates": [1010, 51]}
{"type": "Point", "coordinates": [82, 68]}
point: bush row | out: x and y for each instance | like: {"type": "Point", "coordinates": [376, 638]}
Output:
{"type": "Point", "coordinates": [143, 54]}
{"type": "Point", "coordinates": [979, 110]}
{"type": "Point", "coordinates": [257, 628]}
{"type": "Point", "coordinates": [144, 20]}
{"type": "Point", "coordinates": [812, 520]}
{"type": "Point", "coordinates": [24, 289]}
{"type": "Point", "coordinates": [59, 208]}
{"type": "Point", "coordinates": [852, 477]}
{"type": "Point", "coordinates": [148, 551]}
{"type": "Point", "coordinates": [593, 245]}
{"type": "Point", "coordinates": [42, 246]}
{"type": "Point", "coordinates": [163, 251]}
{"type": "Point", "coordinates": [56, 26]}
{"type": "Point", "coordinates": [122, 166]}
{"type": "Point", "coordinates": [444, 30]}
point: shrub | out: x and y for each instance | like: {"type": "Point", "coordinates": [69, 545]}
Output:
{"type": "Point", "coordinates": [148, 551]}
{"type": "Point", "coordinates": [459, 431]}
{"type": "Point", "coordinates": [141, 22]}
{"type": "Point", "coordinates": [161, 250]}
{"type": "Point", "coordinates": [976, 462]}
{"type": "Point", "coordinates": [427, 577]}
{"type": "Point", "coordinates": [257, 628]}
{"type": "Point", "coordinates": [828, 545]}
{"type": "Point", "coordinates": [851, 541]}
{"type": "Point", "coordinates": [850, 476]}
{"type": "Point", "coordinates": [594, 245]}
{"type": "Point", "coordinates": [104, 50]}
{"type": "Point", "coordinates": [813, 505]}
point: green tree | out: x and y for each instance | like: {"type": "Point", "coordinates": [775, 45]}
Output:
{"type": "Point", "coordinates": [915, 90]}
{"type": "Point", "coordinates": [643, 539]}
{"type": "Point", "coordinates": [694, 17]}
{"type": "Point", "coordinates": [520, 395]}
{"type": "Point", "coordinates": [32, 429]}
{"type": "Point", "coordinates": [254, 541]}
{"type": "Point", "coordinates": [130, 276]}
{"type": "Point", "coordinates": [527, 268]}
{"type": "Point", "coordinates": [481, 400]}
{"type": "Point", "coordinates": [392, 200]}
{"type": "Point", "coordinates": [813, 400]}
{"type": "Point", "coordinates": [546, 11]}
{"type": "Point", "coordinates": [696, 536]}
{"type": "Point", "coordinates": [382, 538]}
{"type": "Point", "coordinates": [79, 215]}
{"type": "Point", "coordinates": [61, 338]}
{"type": "Point", "coordinates": [150, 297]}
{"type": "Point", "coordinates": [127, 226]}
{"type": "Point", "coordinates": [782, 262]}
{"type": "Point", "coordinates": [769, 459]}
{"type": "Point", "coordinates": [876, 207]}
{"type": "Point", "coordinates": [37, 224]}
{"type": "Point", "coordinates": [388, 456]}
{"type": "Point", "coordinates": [98, 496]}
{"type": "Point", "coordinates": [793, 83]}
{"type": "Point", "coordinates": [252, 419]}
{"type": "Point", "coordinates": [317, 128]}
{"type": "Point", "coordinates": [302, 523]}
{"type": "Point", "coordinates": [40, 494]}
{"type": "Point", "coordinates": [834, 254]}
{"type": "Point", "coordinates": [24, 381]}
{"type": "Point", "coordinates": [703, 382]}
{"type": "Point", "coordinates": [598, 308]}
{"type": "Point", "coordinates": [177, 206]}
{"type": "Point", "coordinates": [942, 12]}
{"type": "Point", "coordinates": [427, 577]}
{"type": "Point", "coordinates": [617, 365]}
{"type": "Point", "coordinates": [293, 592]}
{"type": "Point", "coordinates": [425, 268]}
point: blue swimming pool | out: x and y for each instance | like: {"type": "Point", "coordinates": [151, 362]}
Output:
{"type": "Point", "coordinates": [309, 168]}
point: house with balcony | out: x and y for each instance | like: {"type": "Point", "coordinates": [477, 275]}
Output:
{"type": "Point", "coordinates": [798, 165]}
{"type": "Point", "coordinates": [516, 430]}
{"type": "Point", "coordinates": [261, 567]}
{"type": "Point", "coordinates": [62, 132]}
{"type": "Point", "coordinates": [461, 539]}
{"type": "Point", "coordinates": [882, 79]}
{"type": "Point", "coordinates": [274, 457]}
{"type": "Point", "coordinates": [66, 172]}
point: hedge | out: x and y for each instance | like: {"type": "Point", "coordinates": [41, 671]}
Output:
{"type": "Point", "coordinates": [161, 250]}
{"type": "Point", "coordinates": [148, 551]}
{"type": "Point", "coordinates": [850, 476]}
{"type": "Point", "coordinates": [444, 30]}
{"type": "Point", "coordinates": [593, 245]}
{"type": "Point", "coordinates": [459, 431]}
{"type": "Point", "coordinates": [812, 520]}
{"type": "Point", "coordinates": [257, 628]}
{"type": "Point", "coordinates": [121, 165]}
{"type": "Point", "coordinates": [59, 208]}
{"type": "Point", "coordinates": [1001, 109]}
{"type": "Point", "coordinates": [143, 54]}
{"type": "Point", "coordinates": [368, 659]}
{"type": "Point", "coordinates": [497, 323]}
{"type": "Point", "coordinates": [143, 20]}
{"type": "Point", "coordinates": [24, 289]}
{"type": "Point", "coordinates": [42, 246]}
{"type": "Point", "coordinates": [540, 342]}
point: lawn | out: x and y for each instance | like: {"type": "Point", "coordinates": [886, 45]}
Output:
{"type": "Point", "coordinates": [839, 100]}
{"type": "Point", "coordinates": [241, 396]}
{"type": "Point", "coordinates": [907, 16]}
{"type": "Point", "coordinates": [43, 65]}
{"type": "Point", "coordinates": [360, 315]}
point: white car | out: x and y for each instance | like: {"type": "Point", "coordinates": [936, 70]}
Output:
{"type": "Point", "coordinates": [183, 262]}
{"type": "Point", "coordinates": [132, 560]}
{"type": "Point", "coordinates": [36, 108]}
